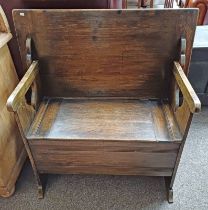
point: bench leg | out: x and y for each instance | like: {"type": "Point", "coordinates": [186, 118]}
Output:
{"type": "Point", "coordinates": [41, 181]}
{"type": "Point", "coordinates": [170, 195]}
{"type": "Point", "coordinates": [40, 192]}
{"type": "Point", "coordinates": [169, 189]}
{"type": "Point", "coordinates": [38, 177]}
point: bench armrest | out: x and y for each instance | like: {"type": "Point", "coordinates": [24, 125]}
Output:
{"type": "Point", "coordinates": [18, 95]}
{"type": "Point", "coordinates": [183, 113]}
{"type": "Point", "coordinates": [188, 92]}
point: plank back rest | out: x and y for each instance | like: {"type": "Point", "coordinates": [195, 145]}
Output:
{"type": "Point", "coordinates": [106, 52]}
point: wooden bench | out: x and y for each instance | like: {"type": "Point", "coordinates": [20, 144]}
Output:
{"type": "Point", "coordinates": [104, 90]}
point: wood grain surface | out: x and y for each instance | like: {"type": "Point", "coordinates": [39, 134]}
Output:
{"type": "Point", "coordinates": [18, 95]}
{"type": "Point", "coordinates": [105, 157]}
{"type": "Point", "coordinates": [102, 119]}
{"type": "Point", "coordinates": [12, 152]}
{"type": "Point", "coordinates": [106, 52]}
{"type": "Point", "coordinates": [110, 83]}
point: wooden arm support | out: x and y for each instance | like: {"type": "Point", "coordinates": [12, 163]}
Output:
{"type": "Point", "coordinates": [188, 92]}
{"type": "Point", "coordinates": [19, 92]}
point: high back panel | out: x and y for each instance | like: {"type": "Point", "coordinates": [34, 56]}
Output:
{"type": "Point", "coordinates": [106, 52]}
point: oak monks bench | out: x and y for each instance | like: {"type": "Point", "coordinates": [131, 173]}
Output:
{"type": "Point", "coordinates": [104, 90]}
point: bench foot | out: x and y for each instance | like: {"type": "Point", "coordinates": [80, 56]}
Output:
{"type": "Point", "coordinates": [169, 189]}
{"type": "Point", "coordinates": [42, 185]}
{"type": "Point", "coordinates": [40, 192]}
{"type": "Point", "coordinates": [170, 195]}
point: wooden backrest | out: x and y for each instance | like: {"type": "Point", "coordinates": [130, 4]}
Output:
{"type": "Point", "coordinates": [106, 52]}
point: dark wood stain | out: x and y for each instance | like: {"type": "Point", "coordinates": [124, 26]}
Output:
{"type": "Point", "coordinates": [107, 119]}
{"type": "Point", "coordinates": [104, 91]}
{"type": "Point", "coordinates": [105, 53]}
{"type": "Point", "coordinates": [105, 157]}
